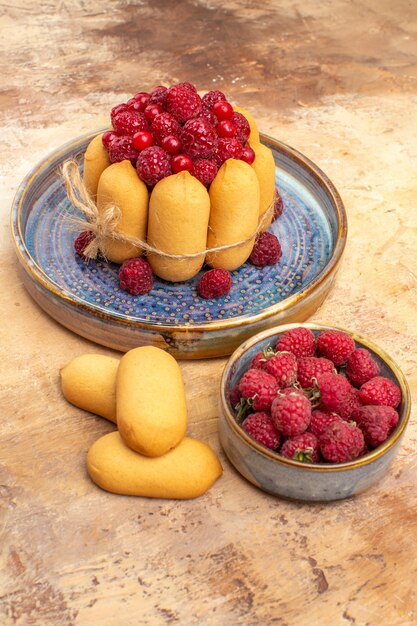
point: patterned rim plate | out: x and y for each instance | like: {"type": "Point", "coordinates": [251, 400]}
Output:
{"type": "Point", "coordinates": [87, 299]}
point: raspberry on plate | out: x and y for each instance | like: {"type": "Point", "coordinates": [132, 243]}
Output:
{"type": "Point", "coordinates": [260, 427]}
{"type": "Point", "coordinates": [282, 365]}
{"type": "Point", "coordinates": [259, 387]}
{"type": "Point", "coordinates": [135, 276]}
{"type": "Point", "coordinates": [376, 423]}
{"type": "Point", "coordinates": [361, 367]}
{"type": "Point", "coordinates": [304, 448]}
{"type": "Point", "coordinates": [335, 345]}
{"type": "Point", "coordinates": [291, 413]}
{"type": "Point", "coordinates": [309, 367]}
{"type": "Point", "coordinates": [380, 390]}
{"type": "Point", "coordinates": [278, 207]}
{"type": "Point", "coordinates": [214, 283]}
{"type": "Point", "coordinates": [300, 341]}
{"type": "Point", "coordinates": [153, 164]}
{"type": "Point", "coordinates": [266, 251]}
{"type": "Point", "coordinates": [183, 103]}
{"type": "Point", "coordinates": [341, 442]}
{"type": "Point", "coordinates": [81, 242]}
{"type": "Point", "coordinates": [199, 138]}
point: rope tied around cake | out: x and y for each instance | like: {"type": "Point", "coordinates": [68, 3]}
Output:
{"type": "Point", "coordinates": [103, 224]}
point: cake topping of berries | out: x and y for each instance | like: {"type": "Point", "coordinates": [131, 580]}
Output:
{"type": "Point", "coordinates": [303, 448]}
{"type": "Point", "coordinates": [121, 149]}
{"type": "Point", "coordinates": [214, 283]}
{"type": "Point", "coordinates": [380, 390]}
{"type": "Point", "coordinates": [135, 276]}
{"type": "Point", "coordinates": [183, 103]}
{"type": "Point", "coordinates": [335, 345]}
{"type": "Point", "coordinates": [153, 164]}
{"type": "Point", "coordinates": [242, 127]}
{"type": "Point", "coordinates": [266, 251]}
{"type": "Point", "coordinates": [227, 148]}
{"type": "Point", "coordinates": [299, 340]}
{"type": "Point", "coordinates": [341, 442]}
{"type": "Point", "coordinates": [199, 138]}
{"type": "Point", "coordinates": [129, 121]}
{"type": "Point", "coordinates": [261, 428]}
{"type": "Point", "coordinates": [205, 171]}
{"type": "Point", "coordinates": [211, 97]}
{"type": "Point", "coordinates": [164, 125]}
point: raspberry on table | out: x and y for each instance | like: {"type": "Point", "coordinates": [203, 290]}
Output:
{"type": "Point", "coordinates": [204, 170]}
{"type": "Point", "coordinates": [341, 442]}
{"type": "Point", "coordinates": [320, 421]}
{"type": "Point", "coordinates": [122, 149]}
{"type": "Point", "coordinates": [129, 122]}
{"type": "Point", "coordinates": [242, 127]}
{"type": "Point", "coordinates": [300, 341]}
{"type": "Point", "coordinates": [214, 283]}
{"type": "Point", "coordinates": [81, 242]}
{"type": "Point", "coordinates": [183, 103]}
{"type": "Point", "coordinates": [260, 427]}
{"type": "Point", "coordinates": [304, 448]}
{"type": "Point", "coordinates": [227, 148]}
{"type": "Point", "coordinates": [335, 392]}
{"type": "Point", "coordinates": [380, 390]}
{"type": "Point", "coordinates": [282, 365]}
{"type": "Point", "coordinates": [266, 251]}
{"type": "Point", "coordinates": [199, 138]}
{"type": "Point", "coordinates": [291, 413]}
{"type": "Point", "coordinates": [361, 367]}
{"type": "Point", "coordinates": [309, 367]}
{"type": "Point", "coordinates": [335, 345]}
{"type": "Point", "coordinates": [153, 164]}
{"type": "Point", "coordinates": [376, 423]}
{"type": "Point", "coordinates": [259, 387]}
{"type": "Point", "coordinates": [135, 276]}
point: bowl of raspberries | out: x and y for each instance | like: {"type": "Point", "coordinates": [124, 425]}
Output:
{"type": "Point", "coordinates": [312, 412]}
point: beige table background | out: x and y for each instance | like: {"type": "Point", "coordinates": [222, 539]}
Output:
{"type": "Point", "coordinates": [338, 81]}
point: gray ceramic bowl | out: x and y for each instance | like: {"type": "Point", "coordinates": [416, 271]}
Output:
{"type": "Point", "coordinates": [292, 479]}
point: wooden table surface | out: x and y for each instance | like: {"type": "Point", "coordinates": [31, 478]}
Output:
{"type": "Point", "coordinates": [338, 81]}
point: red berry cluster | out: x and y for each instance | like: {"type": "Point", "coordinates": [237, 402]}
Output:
{"type": "Point", "coordinates": [316, 398]}
{"type": "Point", "coordinates": [171, 129]}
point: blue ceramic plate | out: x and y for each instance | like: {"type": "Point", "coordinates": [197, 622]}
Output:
{"type": "Point", "coordinates": [86, 297]}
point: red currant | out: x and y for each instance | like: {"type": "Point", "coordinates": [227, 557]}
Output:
{"type": "Point", "coordinates": [248, 155]}
{"type": "Point", "coordinates": [152, 110]}
{"type": "Point", "coordinates": [171, 144]}
{"type": "Point", "coordinates": [222, 110]}
{"type": "Point", "coordinates": [142, 139]}
{"type": "Point", "coordinates": [181, 162]}
{"type": "Point", "coordinates": [142, 99]}
{"type": "Point", "coordinates": [225, 128]}
{"type": "Point", "coordinates": [108, 137]}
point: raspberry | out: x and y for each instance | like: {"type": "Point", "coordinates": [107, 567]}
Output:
{"type": "Point", "coordinates": [291, 413]}
{"type": "Point", "coordinates": [82, 241]}
{"type": "Point", "coordinates": [242, 127]}
{"type": "Point", "coordinates": [260, 358]}
{"type": "Point", "coordinates": [186, 85]}
{"type": "Point", "coordinates": [228, 148]}
{"type": "Point", "coordinates": [361, 367]}
{"type": "Point", "coordinates": [198, 138]}
{"type": "Point", "coordinates": [183, 103]}
{"type": "Point", "coordinates": [304, 448]}
{"type": "Point", "coordinates": [341, 442]}
{"type": "Point", "coordinates": [139, 102]}
{"type": "Point", "coordinates": [349, 405]}
{"type": "Point", "coordinates": [153, 164]}
{"type": "Point", "coordinates": [278, 207]}
{"type": "Point", "coordinates": [135, 276]}
{"type": "Point", "coordinates": [376, 423]}
{"type": "Point", "coordinates": [320, 421]}
{"type": "Point", "coordinates": [164, 125]}
{"type": "Point", "coordinates": [129, 122]}
{"type": "Point", "coordinates": [283, 366]}
{"type": "Point", "coordinates": [214, 284]}
{"type": "Point", "coordinates": [266, 251]}
{"type": "Point", "coordinates": [234, 396]}
{"type": "Point", "coordinates": [116, 110]}
{"type": "Point", "coordinates": [335, 345]}
{"type": "Point", "coordinates": [300, 341]}
{"type": "Point", "coordinates": [108, 137]}
{"type": "Point", "coordinates": [211, 97]}
{"type": "Point", "coordinates": [260, 427]}
{"type": "Point", "coordinates": [259, 387]}
{"type": "Point", "coordinates": [208, 115]}
{"type": "Point", "coordinates": [158, 95]}
{"type": "Point", "coordinates": [205, 171]}
{"type": "Point", "coordinates": [309, 367]}
{"type": "Point", "coordinates": [380, 390]}
{"type": "Point", "coordinates": [335, 392]}
{"type": "Point", "coordinates": [121, 149]}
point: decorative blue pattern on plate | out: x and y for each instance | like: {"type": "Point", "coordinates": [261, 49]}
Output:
{"type": "Point", "coordinates": [311, 231]}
